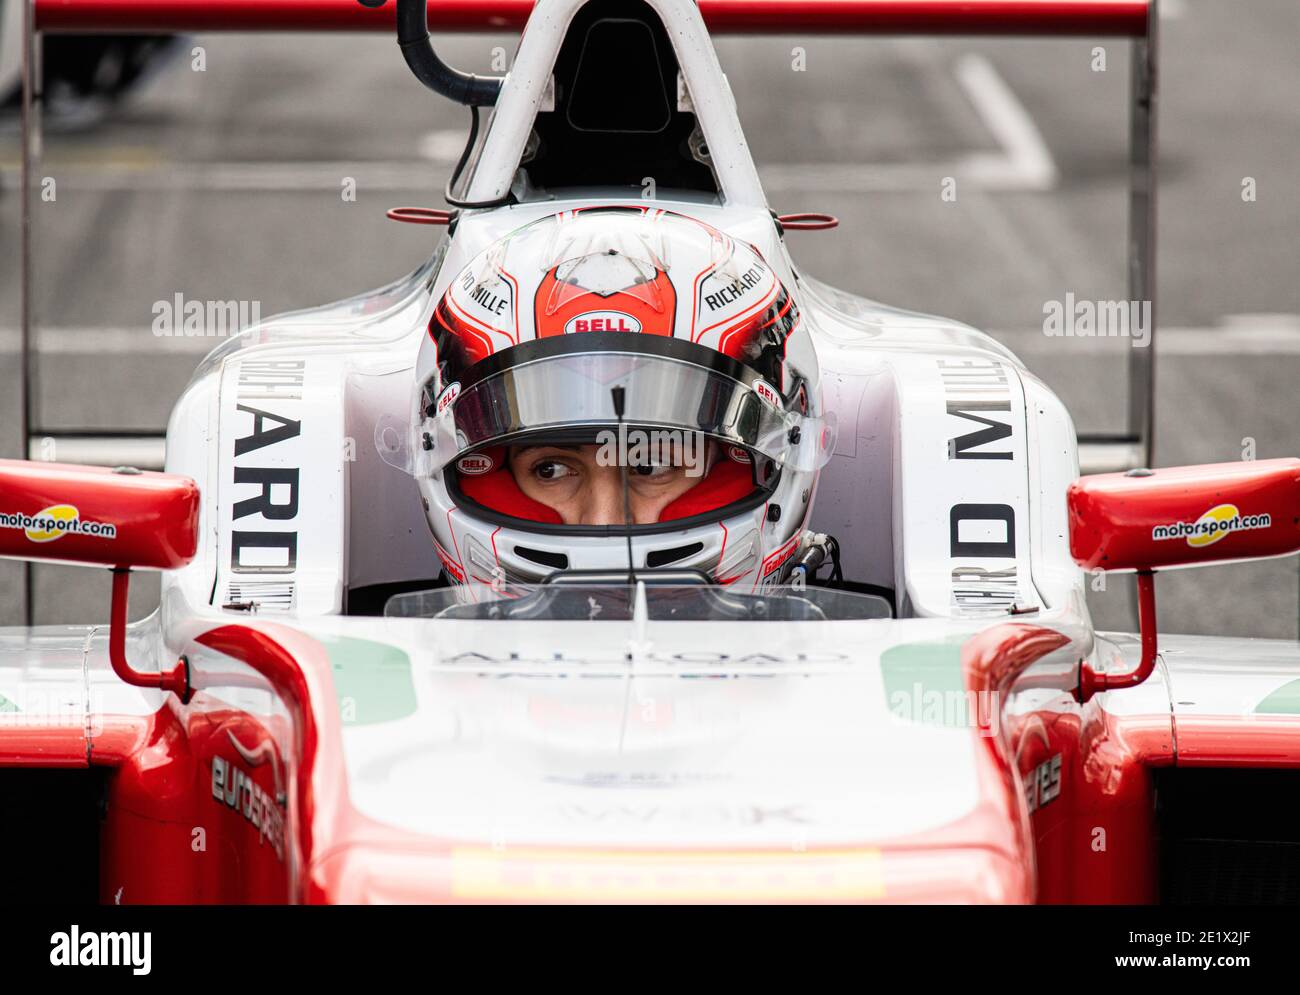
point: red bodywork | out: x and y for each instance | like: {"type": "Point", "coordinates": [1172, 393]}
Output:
{"type": "Point", "coordinates": [209, 803]}
{"type": "Point", "coordinates": [87, 514]}
{"type": "Point", "coordinates": [1125, 522]}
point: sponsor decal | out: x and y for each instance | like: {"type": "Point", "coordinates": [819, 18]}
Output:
{"type": "Point", "coordinates": [489, 301]}
{"type": "Point", "coordinates": [767, 393]}
{"type": "Point", "coordinates": [454, 570]}
{"type": "Point", "coordinates": [983, 532]}
{"type": "Point", "coordinates": [55, 522]}
{"type": "Point", "coordinates": [739, 454]}
{"type": "Point", "coordinates": [686, 665]}
{"type": "Point", "coordinates": [449, 394]}
{"type": "Point", "coordinates": [977, 391]}
{"type": "Point", "coordinates": [1212, 526]}
{"type": "Point", "coordinates": [260, 595]}
{"type": "Point", "coordinates": [736, 289]}
{"type": "Point", "coordinates": [602, 321]}
{"type": "Point", "coordinates": [1043, 783]}
{"type": "Point", "coordinates": [258, 755]}
{"type": "Point", "coordinates": [981, 537]}
{"type": "Point", "coordinates": [268, 395]}
{"type": "Point", "coordinates": [236, 788]}
{"type": "Point", "coordinates": [492, 295]}
{"type": "Point", "coordinates": [475, 464]}
{"type": "Point", "coordinates": [774, 561]}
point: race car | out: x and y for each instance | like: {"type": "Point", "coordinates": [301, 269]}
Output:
{"type": "Point", "coordinates": [610, 557]}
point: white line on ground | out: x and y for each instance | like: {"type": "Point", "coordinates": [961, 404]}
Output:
{"type": "Point", "coordinates": [1023, 163]}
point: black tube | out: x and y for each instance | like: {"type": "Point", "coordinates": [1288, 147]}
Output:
{"type": "Point", "coordinates": [413, 40]}
{"type": "Point", "coordinates": [470, 205]}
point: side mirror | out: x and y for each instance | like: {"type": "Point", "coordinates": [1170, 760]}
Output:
{"type": "Point", "coordinates": [1145, 520]}
{"type": "Point", "coordinates": [92, 515]}
{"type": "Point", "coordinates": [122, 518]}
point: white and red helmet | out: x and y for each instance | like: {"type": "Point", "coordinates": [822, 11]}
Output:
{"type": "Point", "coordinates": [526, 346]}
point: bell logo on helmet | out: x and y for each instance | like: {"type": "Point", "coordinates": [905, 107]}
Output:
{"type": "Point", "coordinates": [475, 464]}
{"type": "Point", "coordinates": [602, 321]}
{"type": "Point", "coordinates": [767, 393]}
{"type": "Point", "coordinates": [739, 454]}
{"type": "Point", "coordinates": [449, 394]}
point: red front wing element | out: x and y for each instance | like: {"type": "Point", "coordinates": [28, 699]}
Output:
{"type": "Point", "coordinates": [1185, 515]}
{"type": "Point", "coordinates": [93, 515]}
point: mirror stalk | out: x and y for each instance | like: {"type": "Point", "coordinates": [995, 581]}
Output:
{"type": "Point", "coordinates": [176, 680]}
{"type": "Point", "coordinates": [1091, 681]}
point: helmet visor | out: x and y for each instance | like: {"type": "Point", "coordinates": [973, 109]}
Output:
{"type": "Point", "coordinates": [569, 393]}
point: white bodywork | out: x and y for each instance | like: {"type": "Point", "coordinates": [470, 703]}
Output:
{"type": "Point", "coordinates": [949, 473]}
{"type": "Point", "coordinates": [910, 393]}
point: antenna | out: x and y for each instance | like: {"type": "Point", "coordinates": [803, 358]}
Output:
{"type": "Point", "coordinates": [618, 395]}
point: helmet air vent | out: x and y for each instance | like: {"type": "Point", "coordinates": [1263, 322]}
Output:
{"type": "Point", "coordinates": [557, 560]}
{"type": "Point", "coordinates": [662, 557]}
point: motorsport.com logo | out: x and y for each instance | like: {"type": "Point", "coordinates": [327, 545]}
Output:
{"type": "Point", "coordinates": [1212, 526]}
{"type": "Point", "coordinates": [55, 522]}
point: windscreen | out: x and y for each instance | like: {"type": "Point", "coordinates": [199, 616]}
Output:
{"type": "Point", "coordinates": [617, 603]}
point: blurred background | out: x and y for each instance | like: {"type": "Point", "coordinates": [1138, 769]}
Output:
{"type": "Point", "coordinates": [215, 168]}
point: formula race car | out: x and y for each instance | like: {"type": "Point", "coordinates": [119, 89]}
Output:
{"type": "Point", "coordinates": [610, 557]}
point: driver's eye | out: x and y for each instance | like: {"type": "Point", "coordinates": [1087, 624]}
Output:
{"type": "Point", "coordinates": [653, 471]}
{"type": "Point", "coordinates": [552, 470]}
